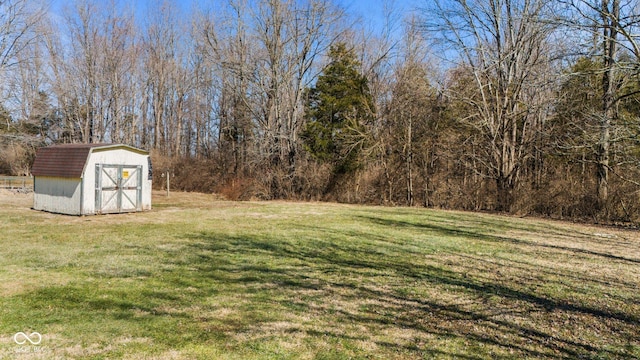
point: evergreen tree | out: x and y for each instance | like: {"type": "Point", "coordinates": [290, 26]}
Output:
{"type": "Point", "coordinates": [336, 109]}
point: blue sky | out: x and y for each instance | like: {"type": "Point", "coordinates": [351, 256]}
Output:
{"type": "Point", "coordinates": [371, 11]}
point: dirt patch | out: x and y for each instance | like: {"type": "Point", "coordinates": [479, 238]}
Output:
{"type": "Point", "coordinates": [16, 198]}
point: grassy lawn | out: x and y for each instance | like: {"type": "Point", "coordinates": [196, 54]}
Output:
{"type": "Point", "coordinates": [199, 278]}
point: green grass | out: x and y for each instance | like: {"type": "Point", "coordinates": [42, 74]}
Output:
{"type": "Point", "coordinates": [199, 278]}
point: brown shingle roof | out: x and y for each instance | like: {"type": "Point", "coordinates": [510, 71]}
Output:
{"type": "Point", "coordinates": [65, 160]}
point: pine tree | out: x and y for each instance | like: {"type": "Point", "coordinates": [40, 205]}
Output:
{"type": "Point", "coordinates": [336, 109]}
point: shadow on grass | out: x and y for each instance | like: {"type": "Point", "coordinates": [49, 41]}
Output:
{"type": "Point", "coordinates": [547, 303]}
{"type": "Point", "coordinates": [458, 232]}
{"type": "Point", "coordinates": [343, 285]}
{"type": "Point", "coordinates": [588, 255]}
{"type": "Point", "coordinates": [345, 272]}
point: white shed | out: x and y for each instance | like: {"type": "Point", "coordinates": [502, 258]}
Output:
{"type": "Point", "coordinates": [87, 179]}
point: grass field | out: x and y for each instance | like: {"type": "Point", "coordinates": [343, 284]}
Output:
{"type": "Point", "coordinates": [200, 278]}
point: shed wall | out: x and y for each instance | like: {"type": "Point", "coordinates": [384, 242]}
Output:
{"type": "Point", "coordinates": [113, 157]}
{"type": "Point", "coordinates": [60, 195]}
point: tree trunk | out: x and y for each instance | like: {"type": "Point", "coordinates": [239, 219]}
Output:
{"type": "Point", "coordinates": [409, 163]}
{"type": "Point", "coordinates": [504, 195]}
{"type": "Point", "coordinates": [610, 31]}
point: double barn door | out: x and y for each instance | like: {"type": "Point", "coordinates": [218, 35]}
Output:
{"type": "Point", "coordinates": [118, 188]}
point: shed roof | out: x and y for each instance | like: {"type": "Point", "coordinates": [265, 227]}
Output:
{"type": "Point", "coordinates": [68, 160]}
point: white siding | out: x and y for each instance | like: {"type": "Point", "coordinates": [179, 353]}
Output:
{"type": "Point", "coordinates": [59, 195]}
{"type": "Point", "coordinates": [113, 157]}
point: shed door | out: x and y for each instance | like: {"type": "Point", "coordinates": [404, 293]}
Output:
{"type": "Point", "coordinates": [118, 188]}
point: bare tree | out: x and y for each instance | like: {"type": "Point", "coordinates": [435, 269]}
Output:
{"type": "Point", "coordinates": [502, 44]}
{"type": "Point", "coordinates": [290, 36]}
{"type": "Point", "coordinates": [65, 129]}
{"type": "Point", "coordinates": [84, 69]}
{"type": "Point", "coordinates": [21, 74]}
{"type": "Point", "coordinates": [18, 21]}
{"type": "Point", "coordinates": [120, 54]}
{"type": "Point", "coordinates": [608, 30]}
{"type": "Point", "coordinates": [610, 14]}
{"type": "Point", "coordinates": [265, 54]}
{"type": "Point", "coordinates": [162, 65]}
{"type": "Point", "coordinates": [27, 85]}
{"type": "Point", "coordinates": [19, 32]}
{"type": "Point", "coordinates": [93, 79]}
{"type": "Point", "coordinates": [411, 111]}
{"type": "Point", "coordinates": [225, 45]}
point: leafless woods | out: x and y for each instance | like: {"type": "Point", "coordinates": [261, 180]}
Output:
{"type": "Point", "coordinates": [523, 106]}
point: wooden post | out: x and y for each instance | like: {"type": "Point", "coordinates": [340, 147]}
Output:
{"type": "Point", "coordinates": [168, 182]}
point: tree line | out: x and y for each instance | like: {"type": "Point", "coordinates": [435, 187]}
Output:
{"type": "Point", "coordinates": [521, 106]}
